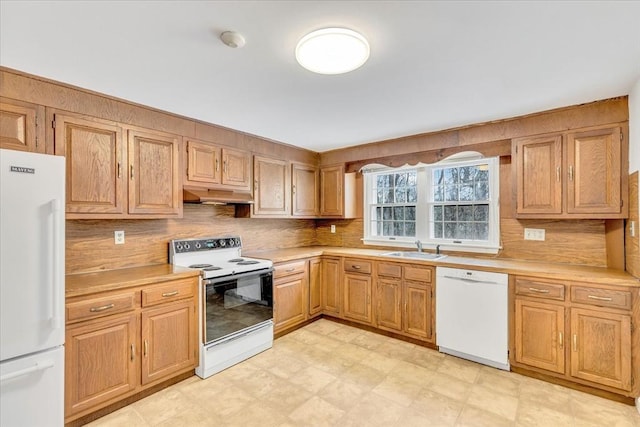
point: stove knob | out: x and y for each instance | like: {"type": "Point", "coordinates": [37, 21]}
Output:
{"type": "Point", "coordinates": [198, 245]}
{"type": "Point", "coordinates": [237, 242]}
{"type": "Point", "coordinates": [178, 247]}
{"type": "Point", "coordinates": [187, 246]}
{"type": "Point", "coordinates": [222, 243]}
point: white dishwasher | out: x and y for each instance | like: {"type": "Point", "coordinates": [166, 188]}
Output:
{"type": "Point", "coordinates": [472, 315]}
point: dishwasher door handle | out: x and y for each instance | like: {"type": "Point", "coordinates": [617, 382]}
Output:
{"type": "Point", "coordinates": [464, 279]}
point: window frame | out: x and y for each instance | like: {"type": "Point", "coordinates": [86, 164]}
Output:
{"type": "Point", "coordinates": [425, 202]}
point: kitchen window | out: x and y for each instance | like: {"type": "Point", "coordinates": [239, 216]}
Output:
{"type": "Point", "coordinates": [453, 203]}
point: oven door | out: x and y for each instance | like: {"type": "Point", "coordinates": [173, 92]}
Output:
{"type": "Point", "coordinates": [234, 303]}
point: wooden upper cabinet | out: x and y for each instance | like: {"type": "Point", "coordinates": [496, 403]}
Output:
{"type": "Point", "coordinates": [154, 179]}
{"type": "Point", "coordinates": [271, 187]}
{"type": "Point", "coordinates": [578, 174]}
{"type": "Point", "coordinates": [236, 169]}
{"type": "Point", "coordinates": [538, 175]}
{"type": "Point", "coordinates": [593, 163]}
{"type": "Point", "coordinates": [96, 163]}
{"type": "Point", "coordinates": [21, 126]}
{"type": "Point", "coordinates": [331, 188]}
{"type": "Point", "coordinates": [203, 163]}
{"type": "Point", "coordinates": [305, 181]}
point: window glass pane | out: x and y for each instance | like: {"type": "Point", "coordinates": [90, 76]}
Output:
{"type": "Point", "coordinates": [481, 231]}
{"type": "Point", "coordinates": [387, 213]}
{"type": "Point", "coordinates": [465, 213]}
{"type": "Point", "coordinates": [380, 196]}
{"type": "Point", "coordinates": [449, 213]}
{"type": "Point", "coordinates": [410, 213]}
{"type": "Point", "coordinates": [401, 195]}
{"type": "Point", "coordinates": [467, 174]}
{"type": "Point", "coordinates": [437, 230]}
{"type": "Point", "coordinates": [387, 228]}
{"type": "Point", "coordinates": [378, 213]}
{"type": "Point", "coordinates": [398, 228]}
{"type": "Point", "coordinates": [449, 230]}
{"type": "Point", "coordinates": [410, 229]}
{"type": "Point", "coordinates": [482, 190]}
{"type": "Point", "coordinates": [466, 192]}
{"type": "Point", "coordinates": [451, 176]}
{"type": "Point", "coordinates": [438, 193]}
{"type": "Point", "coordinates": [481, 213]}
{"type": "Point", "coordinates": [398, 213]}
{"type": "Point", "coordinates": [451, 193]}
{"type": "Point", "coordinates": [437, 213]}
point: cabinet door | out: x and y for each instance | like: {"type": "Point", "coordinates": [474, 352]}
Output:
{"type": "Point", "coordinates": [593, 168]}
{"type": "Point", "coordinates": [203, 163]}
{"type": "Point", "coordinates": [315, 287]}
{"type": "Point", "coordinates": [331, 188]}
{"type": "Point", "coordinates": [389, 297]}
{"type": "Point", "coordinates": [357, 297]}
{"type": "Point", "coordinates": [539, 335]}
{"type": "Point", "coordinates": [154, 180]}
{"type": "Point", "coordinates": [21, 126]}
{"type": "Point", "coordinates": [538, 175]}
{"type": "Point", "coordinates": [305, 190]}
{"type": "Point", "coordinates": [236, 169]}
{"type": "Point", "coordinates": [168, 340]}
{"type": "Point", "coordinates": [601, 347]}
{"type": "Point", "coordinates": [271, 187]}
{"type": "Point", "coordinates": [96, 163]}
{"type": "Point", "coordinates": [100, 362]}
{"type": "Point", "coordinates": [290, 302]}
{"type": "Point", "coordinates": [418, 316]}
{"type": "Point", "coordinates": [331, 286]}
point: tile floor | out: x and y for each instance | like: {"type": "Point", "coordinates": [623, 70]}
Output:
{"type": "Point", "coordinates": [328, 374]}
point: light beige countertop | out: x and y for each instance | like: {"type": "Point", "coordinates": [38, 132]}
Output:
{"type": "Point", "coordinates": [548, 270]}
{"type": "Point", "coordinates": [109, 280]}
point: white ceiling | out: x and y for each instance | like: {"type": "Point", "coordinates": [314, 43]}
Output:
{"type": "Point", "coordinates": [434, 64]}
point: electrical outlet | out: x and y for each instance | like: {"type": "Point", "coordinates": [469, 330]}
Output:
{"type": "Point", "coordinates": [534, 234]}
{"type": "Point", "coordinates": [118, 237]}
{"type": "Point", "coordinates": [632, 228]}
{"type": "Point", "coordinates": [333, 228]}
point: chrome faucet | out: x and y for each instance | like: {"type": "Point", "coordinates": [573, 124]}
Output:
{"type": "Point", "coordinates": [419, 245]}
{"type": "Point", "coordinates": [437, 249]}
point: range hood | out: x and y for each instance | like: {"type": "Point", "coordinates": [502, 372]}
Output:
{"type": "Point", "coordinates": [215, 197]}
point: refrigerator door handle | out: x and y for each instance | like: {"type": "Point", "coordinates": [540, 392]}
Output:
{"type": "Point", "coordinates": [56, 318]}
{"type": "Point", "coordinates": [40, 366]}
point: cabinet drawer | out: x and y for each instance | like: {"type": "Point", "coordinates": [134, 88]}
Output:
{"type": "Point", "coordinates": [357, 265]}
{"type": "Point", "coordinates": [601, 297]}
{"type": "Point", "coordinates": [389, 270]}
{"type": "Point", "coordinates": [534, 288]}
{"type": "Point", "coordinates": [100, 306]}
{"type": "Point", "coordinates": [289, 269]}
{"type": "Point", "coordinates": [418, 274]}
{"type": "Point", "coordinates": [170, 291]}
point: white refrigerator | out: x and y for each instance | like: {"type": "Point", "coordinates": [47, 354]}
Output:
{"type": "Point", "coordinates": [32, 200]}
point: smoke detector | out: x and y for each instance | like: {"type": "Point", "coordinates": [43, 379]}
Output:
{"type": "Point", "coordinates": [232, 39]}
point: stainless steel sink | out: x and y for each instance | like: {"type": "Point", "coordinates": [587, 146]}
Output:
{"type": "Point", "coordinates": [415, 255]}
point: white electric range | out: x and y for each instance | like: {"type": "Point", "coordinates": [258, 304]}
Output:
{"type": "Point", "coordinates": [236, 297]}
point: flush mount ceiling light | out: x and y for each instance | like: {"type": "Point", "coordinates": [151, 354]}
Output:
{"type": "Point", "coordinates": [232, 39]}
{"type": "Point", "coordinates": [332, 51]}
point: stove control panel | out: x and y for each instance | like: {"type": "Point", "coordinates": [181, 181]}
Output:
{"type": "Point", "coordinates": [195, 245]}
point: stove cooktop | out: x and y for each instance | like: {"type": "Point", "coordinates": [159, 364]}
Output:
{"type": "Point", "coordinates": [215, 256]}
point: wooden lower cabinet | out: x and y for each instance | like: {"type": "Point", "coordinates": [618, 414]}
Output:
{"type": "Point", "coordinates": [151, 336]}
{"type": "Point", "coordinates": [168, 346]}
{"type": "Point", "coordinates": [331, 295]}
{"type": "Point", "coordinates": [405, 299]}
{"type": "Point", "coordinates": [601, 347]}
{"type": "Point", "coordinates": [315, 287]}
{"type": "Point", "coordinates": [418, 310]}
{"type": "Point", "coordinates": [596, 349]}
{"type": "Point", "coordinates": [539, 335]}
{"type": "Point", "coordinates": [357, 297]}
{"type": "Point", "coordinates": [290, 294]}
{"type": "Point", "coordinates": [388, 310]}
{"type": "Point", "coordinates": [101, 363]}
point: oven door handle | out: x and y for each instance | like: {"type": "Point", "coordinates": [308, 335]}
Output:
{"type": "Point", "coordinates": [215, 280]}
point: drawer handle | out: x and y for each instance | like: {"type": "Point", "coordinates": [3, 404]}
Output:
{"type": "Point", "coordinates": [170, 294]}
{"type": "Point", "coordinates": [540, 291]}
{"type": "Point", "coordinates": [356, 267]}
{"type": "Point", "coordinates": [101, 308]}
{"type": "Point", "coordinates": [133, 352]}
{"type": "Point", "coordinates": [289, 270]}
{"type": "Point", "coordinates": [575, 342]}
{"type": "Point", "coordinates": [595, 297]}
{"type": "Point", "coordinates": [146, 348]}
